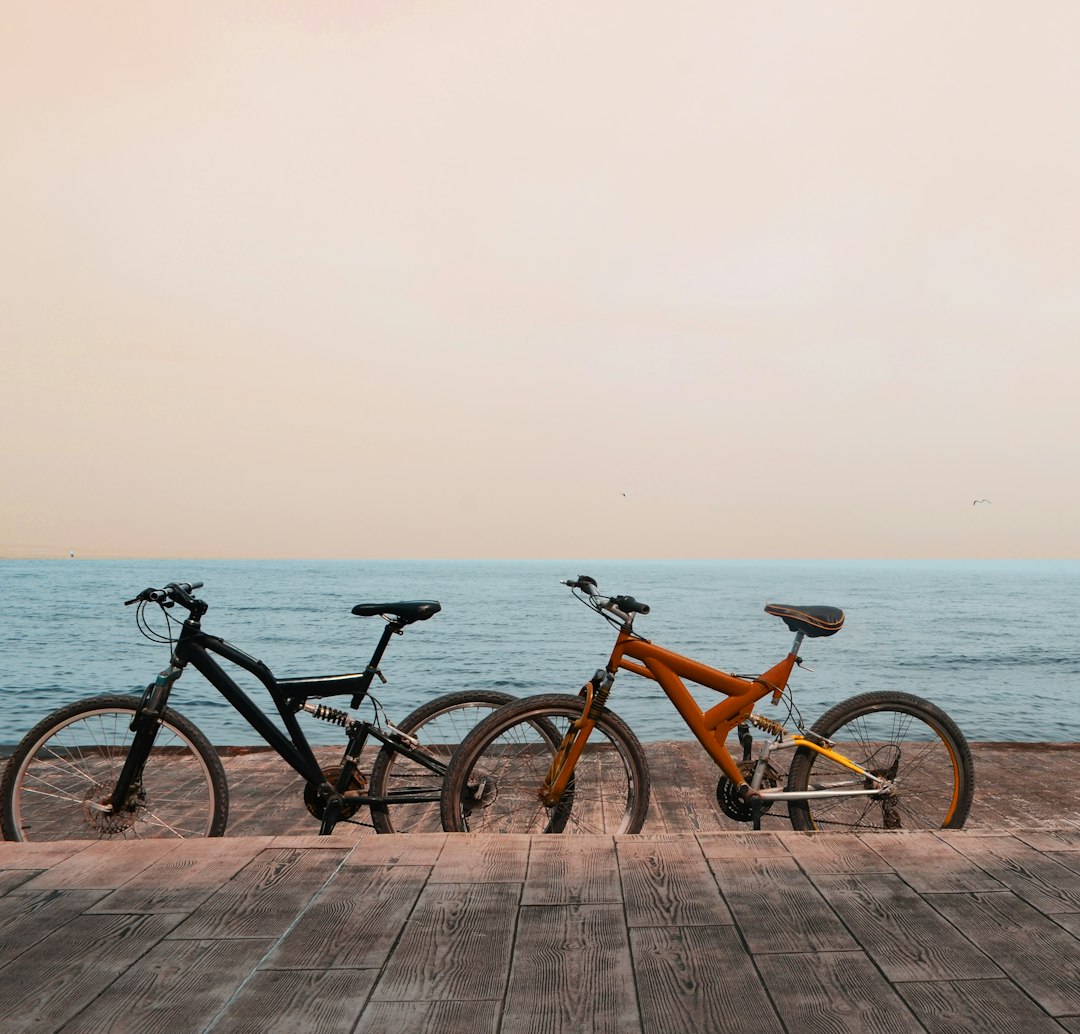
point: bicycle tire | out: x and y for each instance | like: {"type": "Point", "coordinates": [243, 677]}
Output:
{"type": "Point", "coordinates": [440, 725]}
{"type": "Point", "coordinates": [69, 762]}
{"type": "Point", "coordinates": [493, 780]}
{"type": "Point", "coordinates": [910, 740]}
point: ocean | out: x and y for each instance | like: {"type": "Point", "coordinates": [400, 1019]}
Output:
{"type": "Point", "coordinates": [994, 643]}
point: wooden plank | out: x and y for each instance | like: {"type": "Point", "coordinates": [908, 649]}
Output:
{"type": "Point", "coordinates": [275, 808]}
{"type": "Point", "coordinates": [1006, 798]}
{"type": "Point", "coordinates": [345, 835]}
{"type": "Point", "coordinates": [354, 922]}
{"type": "Point", "coordinates": [683, 790]}
{"type": "Point", "coordinates": [179, 987]}
{"type": "Point", "coordinates": [398, 849]}
{"type": "Point", "coordinates": [567, 870]}
{"type": "Point", "coordinates": [267, 796]}
{"type": "Point", "coordinates": [183, 879]}
{"type": "Point", "coordinates": [1037, 953]}
{"type": "Point", "coordinates": [990, 1006]}
{"type": "Point", "coordinates": [105, 864]}
{"type": "Point", "coordinates": [430, 1018]}
{"type": "Point", "coordinates": [669, 884]}
{"type": "Point", "coordinates": [1051, 839]}
{"type": "Point", "coordinates": [929, 864]}
{"type": "Point", "coordinates": [456, 945]}
{"type": "Point", "coordinates": [39, 855]}
{"type": "Point", "coordinates": [833, 853]}
{"type": "Point", "coordinates": [10, 879]}
{"type": "Point", "coordinates": [491, 858]}
{"type": "Point", "coordinates": [903, 934]}
{"type": "Point", "coordinates": [27, 917]}
{"type": "Point", "coordinates": [1039, 879]}
{"type": "Point", "coordinates": [696, 979]}
{"type": "Point", "coordinates": [742, 845]}
{"type": "Point", "coordinates": [777, 908]}
{"type": "Point", "coordinates": [572, 972]}
{"type": "Point", "coordinates": [263, 899]}
{"type": "Point", "coordinates": [287, 1001]}
{"type": "Point", "coordinates": [1069, 921]}
{"type": "Point", "coordinates": [834, 992]}
{"type": "Point", "coordinates": [61, 975]}
{"type": "Point", "coordinates": [684, 780]}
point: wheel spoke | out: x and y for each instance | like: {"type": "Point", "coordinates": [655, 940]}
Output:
{"type": "Point", "coordinates": [907, 742]}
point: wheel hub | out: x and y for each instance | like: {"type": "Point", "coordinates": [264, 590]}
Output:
{"type": "Point", "coordinates": [481, 794]}
{"type": "Point", "coordinates": [97, 810]}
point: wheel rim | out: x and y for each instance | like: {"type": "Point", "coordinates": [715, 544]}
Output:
{"type": "Point", "coordinates": [70, 772]}
{"type": "Point", "coordinates": [907, 748]}
{"type": "Point", "coordinates": [501, 786]}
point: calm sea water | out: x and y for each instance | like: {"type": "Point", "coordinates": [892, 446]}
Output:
{"type": "Point", "coordinates": [993, 643]}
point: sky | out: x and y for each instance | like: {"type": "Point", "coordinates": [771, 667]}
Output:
{"type": "Point", "coordinates": [502, 279]}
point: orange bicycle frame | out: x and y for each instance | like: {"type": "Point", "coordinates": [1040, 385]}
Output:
{"type": "Point", "coordinates": [711, 727]}
{"type": "Point", "coordinates": [641, 657]}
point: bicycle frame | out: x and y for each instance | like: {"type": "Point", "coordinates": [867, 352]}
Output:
{"type": "Point", "coordinates": [195, 647]}
{"type": "Point", "coordinates": [641, 657]}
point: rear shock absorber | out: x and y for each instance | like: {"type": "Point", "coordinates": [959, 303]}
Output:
{"type": "Point", "coordinates": [329, 714]}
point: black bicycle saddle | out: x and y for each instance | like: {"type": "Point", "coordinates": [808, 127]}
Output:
{"type": "Point", "coordinates": [407, 611]}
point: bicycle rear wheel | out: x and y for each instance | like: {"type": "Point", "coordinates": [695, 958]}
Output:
{"type": "Point", "coordinates": [904, 738]}
{"type": "Point", "coordinates": [66, 768]}
{"type": "Point", "coordinates": [493, 783]}
{"type": "Point", "coordinates": [440, 725]}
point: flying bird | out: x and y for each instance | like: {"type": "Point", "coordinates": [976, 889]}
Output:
{"type": "Point", "coordinates": [977, 501]}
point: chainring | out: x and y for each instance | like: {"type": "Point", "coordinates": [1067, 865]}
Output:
{"type": "Point", "coordinates": [314, 802]}
{"type": "Point", "coordinates": [727, 792]}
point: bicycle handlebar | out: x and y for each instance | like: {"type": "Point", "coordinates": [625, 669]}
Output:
{"type": "Point", "coordinates": [177, 592]}
{"type": "Point", "coordinates": [621, 606]}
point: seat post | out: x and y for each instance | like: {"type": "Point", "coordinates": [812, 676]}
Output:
{"type": "Point", "coordinates": [372, 669]}
{"type": "Point", "coordinates": [799, 636]}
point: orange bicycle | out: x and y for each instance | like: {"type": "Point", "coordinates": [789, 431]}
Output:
{"type": "Point", "coordinates": [880, 760]}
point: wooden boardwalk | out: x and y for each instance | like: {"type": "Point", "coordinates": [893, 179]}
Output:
{"type": "Point", "coordinates": [685, 928]}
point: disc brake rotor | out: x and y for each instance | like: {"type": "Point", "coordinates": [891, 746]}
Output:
{"type": "Point", "coordinates": [99, 814]}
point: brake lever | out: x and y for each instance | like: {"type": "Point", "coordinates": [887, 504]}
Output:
{"type": "Point", "coordinates": [147, 596]}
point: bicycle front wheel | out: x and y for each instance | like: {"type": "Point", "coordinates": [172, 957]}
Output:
{"type": "Point", "coordinates": [903, 738]}
{"type": "Point", "coordinates": [494, 780]}
{"type": "Point", "coordinates": [61, 775]}
{"type": "Point", "coordinates": [413, 788]}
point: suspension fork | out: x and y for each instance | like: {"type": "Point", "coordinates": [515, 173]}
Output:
{"type": "Point", "coordinates": [145, 725]}
{"type": "Point", "coordinates": [561, 772]}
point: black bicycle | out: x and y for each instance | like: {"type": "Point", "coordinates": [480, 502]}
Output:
{"type": "Point", "coordinates": [121, 766]}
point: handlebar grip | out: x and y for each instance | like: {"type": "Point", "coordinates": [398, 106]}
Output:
{"type": "Point", "coordinates": [628, 605]}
